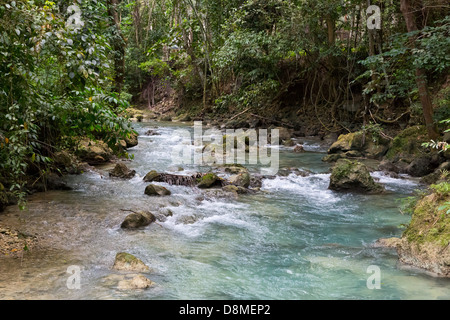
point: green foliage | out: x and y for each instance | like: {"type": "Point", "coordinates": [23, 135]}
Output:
{"type": "Point", "coordinates": [55, 85]}
{"type": "Point", "coordinates": [392, 72]}
{"type": "Point", "coordinates": [442, 189]}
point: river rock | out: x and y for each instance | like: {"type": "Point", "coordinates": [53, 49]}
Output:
{"type": "Point", "coordinates": [152, 176]}
{"type": "Point", "coordinates": [137, 220]}
{"type": "Point", "coordinates": [138, 282]}
{"type": "Point", "coordinates": [288, 143]}
{"type": "Point", "coordinates": [127, 262]}
{"type": "Point", "coordinates": [299, 148]}
{"type": "Point", "coordinates": [358, 144]}
{"type": "Point", "coordinates": [94, 152]}
{"type": "Point", "coordinates": [155, 190]}
{"type": "Point", "coordinates": [240, 180]}
{"type": "Point", "coordinates": [122, 171]}
{"type": "Point", "coordinates": [420, 166]}
{"type": "Point", "coordinates": [285, 134]}
{"type": "Point", "coordinates": [152, 132]}
{"type": "Point", "coordinates": [132, 140]}
{"type": "Point", "coordinates": [426, 241]}
{"type": "Point", "coordinates": [353, 176]}
{"type": "Point", "coordinates": [67, 162]}
{"type": "Point", "coordinates": [50, 181]}
{"type": "Point", "coordinates": [208, 180]}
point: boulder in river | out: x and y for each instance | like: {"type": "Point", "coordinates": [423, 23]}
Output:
{"type": "Point", "coordinates": [350, 175]}
{"type": "Point", "coordinates": [208, 180]}
{"type": "Point", "coordinates": [127, 262]}
{"type": "Point", "coordinates": [94, 152]}
{"type": "Point", "coordinates": [137, 220]}
{"type": "Point", "coordinates": [358, 144]}
{"type": "Point", "coordinates": [122, 171]}
{"type": "Point", "coordinates": [425, 243]}
{"type": "Point", "coordinates": [155, 190]}
{"type": "Point", "coordinates": [132, 140]}
{"type": "Point", "coordinates": [240, 180]}
{"type": "Point", "coordinates": [152, 176]}
{"type": "Point", "coordinates": [137, 282]}
{"type": "Point", "coordinates": [299, 148]}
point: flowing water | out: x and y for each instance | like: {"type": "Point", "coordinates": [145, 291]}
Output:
{"type": "Point", "coordinates": [293, 240]}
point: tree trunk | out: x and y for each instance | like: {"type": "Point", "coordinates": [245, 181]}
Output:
{"type": "Point", "coordinates": [331, 30]}
{"type": "Point", "coordinates": [421, 79]}
{"type": "Point", "coordinates": [118, 45]}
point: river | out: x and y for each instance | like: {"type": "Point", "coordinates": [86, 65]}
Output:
{"type": "Point", "coordinates": [293, 240]}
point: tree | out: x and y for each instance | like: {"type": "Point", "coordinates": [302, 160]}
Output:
{"type": "Point", "coordinates": [421, 78]}
{"type": "Point", "coordinates": [118, 45]}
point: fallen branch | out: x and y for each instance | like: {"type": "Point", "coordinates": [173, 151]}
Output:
{"type": "Point", "coordinates": [234, 117]}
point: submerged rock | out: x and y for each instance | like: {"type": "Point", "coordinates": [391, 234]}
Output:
{"type": "Point", "coordinates": [353, 176]}
{"type": "Point", "coordinates": [137, 282]}
{"type": "Point", "coordinates": [122, 171]}
{"type": "Point", "coordinates": [137, 220]}
{"type": "Point", "coordinates": [235, 189]}
{"type": "Point", "coordinates": [155, 190]}
{"type": "Point", "coordinates": [127, 262]}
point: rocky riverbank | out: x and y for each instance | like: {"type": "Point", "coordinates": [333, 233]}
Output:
{"type": "Point", "coordinates": [425, 243]}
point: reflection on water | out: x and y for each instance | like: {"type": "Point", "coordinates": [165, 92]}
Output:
{"type": "Point", "coordinates": [293, 240]}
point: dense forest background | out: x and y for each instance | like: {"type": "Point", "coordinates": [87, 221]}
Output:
{"type": "Point", "coordinates": [70, 69]}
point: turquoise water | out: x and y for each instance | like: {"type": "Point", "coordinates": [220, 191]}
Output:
{"type": "Point", "coordinates": [293, 240]}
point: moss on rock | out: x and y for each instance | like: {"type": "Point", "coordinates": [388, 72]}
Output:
{"type": "Point", "coordinates": [426, 241]}
{"type": "Point", "coordinates": [350, 175]}
{"type": "Point", "coordinates": [208, 180]}
{"type": "Point", "coordinates": [127, 262]}
{"type": "Point", "coordinates": [408, 143]}
{"type": "Point", "coordinates": [155, 190]}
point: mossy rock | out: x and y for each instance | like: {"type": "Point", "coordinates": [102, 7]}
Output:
{"type": "Point", "coordinates": [94, 152]}
{"type": "Point", "coordinates": [122, 171]}
{"type": "Point", "coordinates": [408, 144]}
{"type": "Point", "coordinates": [235, 189]}
{"type": "Point", "coordinates": [166, 118]}
{"type": "Point", "coordinates": [208, 180]}
{"type": "Point", "coordinates": [137, 220]}
{"type": "Point", "coordinates": [131, 140]}
{"type": "Point", "coordinates": [354, 176]}
{"type": "Point", "coordinates": [127, 262]}
{"type": "Point", "coordinates": [426, 240]}
{"type": "Point", "coordinates": [155, 190]}
{"type": "Point", "coordinates": [240, 180]}
{"type": "Point", "coordinates": [347, 142]}
{"type": "Point", "coordinates": [137, 282]}
{"type": "Point", "coordinates": [358, 142]}
{"type": "Point", "coordinates": [152, 176]}
{"type": "Point", "coordinates": [333, 157]}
